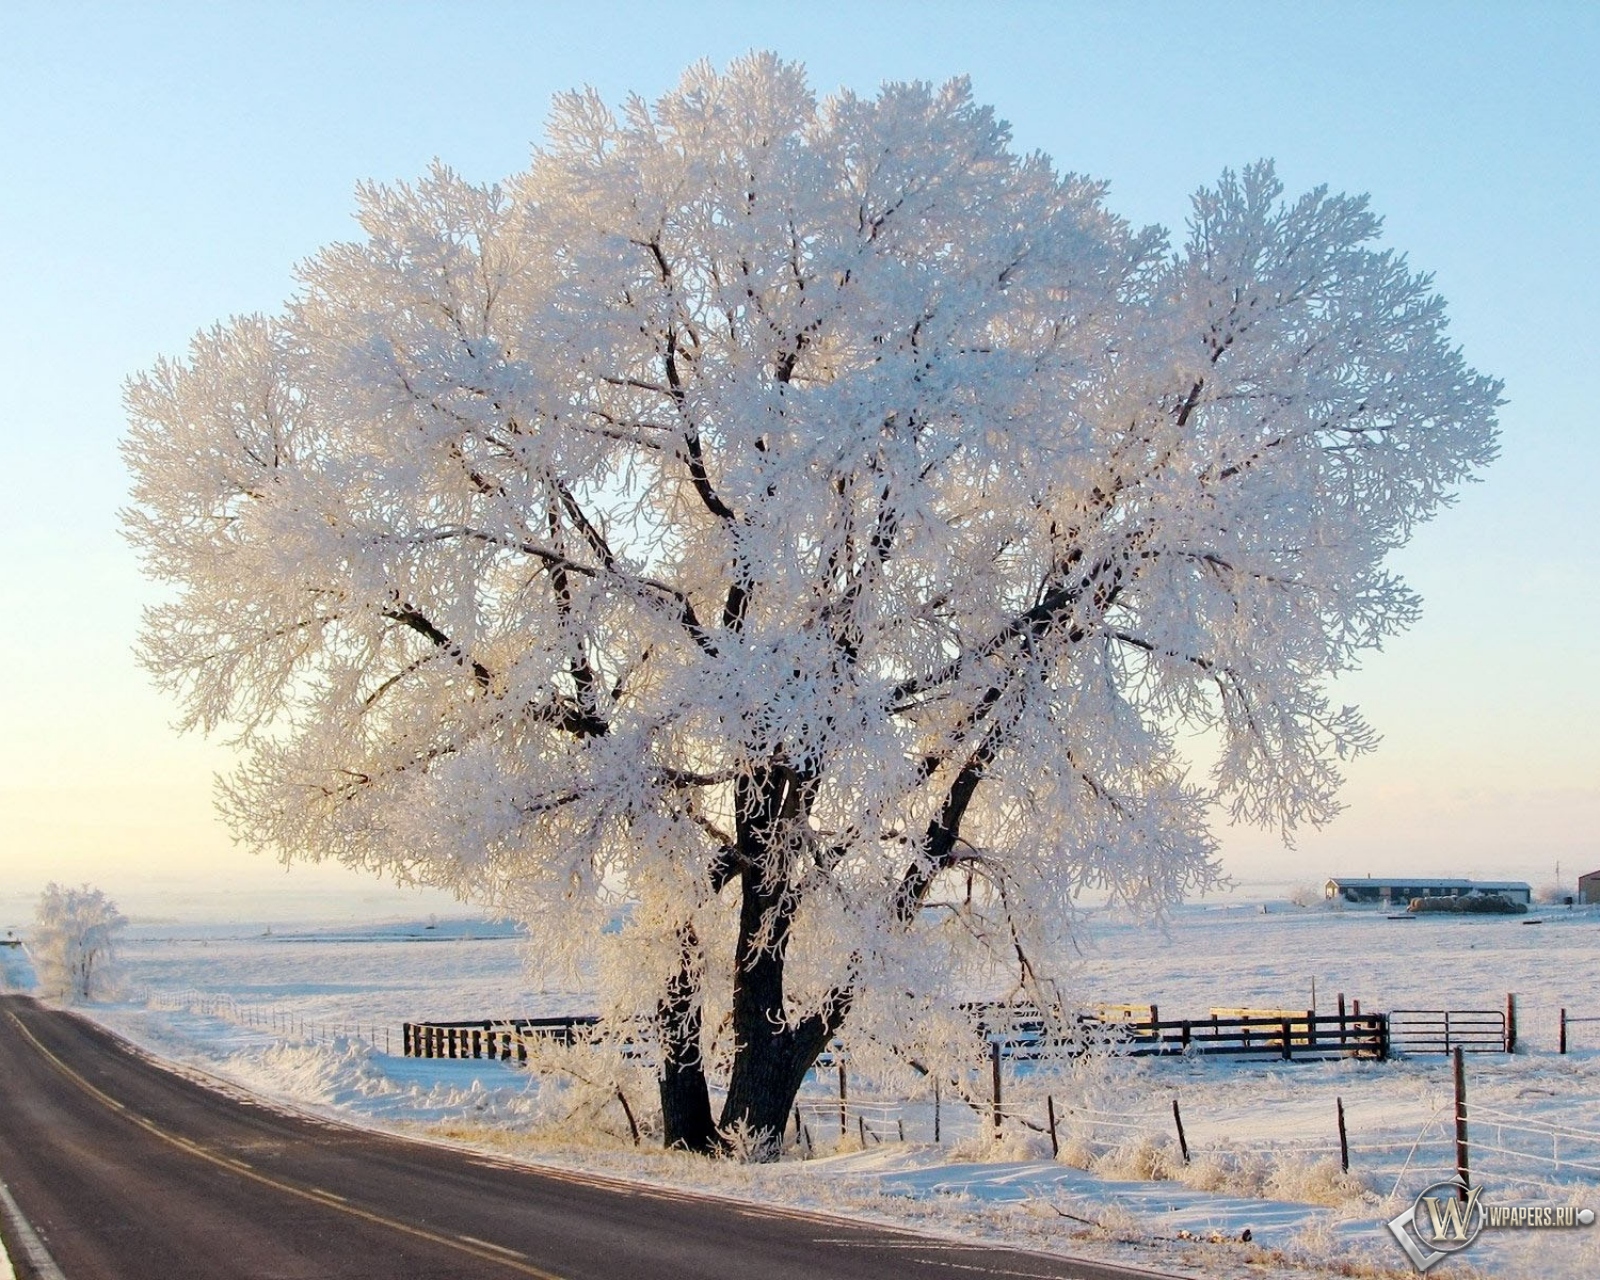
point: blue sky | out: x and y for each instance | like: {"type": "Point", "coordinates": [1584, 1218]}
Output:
{"type": "Point", "coordinates": [164, 166]}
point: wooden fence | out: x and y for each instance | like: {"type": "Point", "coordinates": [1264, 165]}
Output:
{"type": "Point", "coordinates": [505, 1038]}
{"type": "Point", "coordinates": [1023, 1034]}
{"type": "Point", "coordinates": [1019, 1037]}
{"type": "Point", "coordinates": [1289, 1036]}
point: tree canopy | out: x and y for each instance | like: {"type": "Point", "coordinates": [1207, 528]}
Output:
{"type": "Point", "coordinates": [799, 534]}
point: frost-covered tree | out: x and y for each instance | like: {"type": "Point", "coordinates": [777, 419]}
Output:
{"type": "Point", "coordinates": [811, 524]}
{"type": "Point", "coordinates": [73, 942]}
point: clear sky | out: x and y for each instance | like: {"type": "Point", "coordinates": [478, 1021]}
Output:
{"type": "Point", "coordinates": [165, 165]}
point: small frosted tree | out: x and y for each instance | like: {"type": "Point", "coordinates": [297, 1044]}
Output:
{"type": "Point", "coordinates": [811, 524]}
{"type": "Point", "coordinates": [73, 942]}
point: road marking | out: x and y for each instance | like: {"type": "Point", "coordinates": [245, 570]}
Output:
{"type": "Point", "coordinates": [490, 1244]}
{"type": "Point", "coordinates": [481, 1250]}
{"type": "Point", "coordinates": [33, 1251]}
{"type": "Point", "coordinates": [934, 1247]}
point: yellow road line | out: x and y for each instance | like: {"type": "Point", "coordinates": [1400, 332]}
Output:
{"type": "Point", "coordinates": [490, 1244]}
{"type": "Point", "coordinates": [481, 1250]}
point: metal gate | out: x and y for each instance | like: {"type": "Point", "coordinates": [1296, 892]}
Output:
{"type": "Point", "coordinates": [1441, 1030]}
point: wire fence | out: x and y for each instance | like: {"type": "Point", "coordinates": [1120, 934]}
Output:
{"type": "Point", "coordinates": [275, 1018]}
{"type": "Point", "coordinates": [1505, 1147]}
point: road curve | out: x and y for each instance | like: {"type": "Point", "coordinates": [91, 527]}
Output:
{"type": "Point", "coordinates": [122, 1170]}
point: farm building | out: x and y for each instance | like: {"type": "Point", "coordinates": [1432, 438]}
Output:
{"type": "Point", "coordinates": [1381, 891]}
{"type": "Point", "coordinates": [1589, 887]}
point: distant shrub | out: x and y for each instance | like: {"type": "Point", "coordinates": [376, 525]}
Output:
{"type": "Point", "coordinates": [72, 942]}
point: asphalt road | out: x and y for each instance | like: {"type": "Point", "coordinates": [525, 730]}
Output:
{"type": "Point", "coordinates": [118, 1169]}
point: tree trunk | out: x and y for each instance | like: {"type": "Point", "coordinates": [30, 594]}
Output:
{"type": "Point", "coordinates": [771, 1057]}
{"type": "Point", "coordinates": [685, 1100]}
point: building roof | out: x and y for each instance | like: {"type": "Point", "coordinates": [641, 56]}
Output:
{"type": "Point", "coordinates": [1423, 882]}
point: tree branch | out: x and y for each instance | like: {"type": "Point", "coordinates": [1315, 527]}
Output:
{"type": "Point", "coordinates": [408, 615]}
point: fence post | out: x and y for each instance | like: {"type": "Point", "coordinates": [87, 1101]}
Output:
{"type": "Point", "coordinates": [1463, 1174]}
{"type": "Point", "coordinates": [1183, 1142]}
{"type": "Point", "coordinates": [843, 1098]}
{"type": "Point", "coordinates": [994, 1074]}
{"type": "Point", "coordinates": [1050, 1110]}
{"type": "Point", "coordinates": [1311, 1028]}
{"type": "Point", "coordinates": [1562, 1042]}
{"type": "Point", "coordinates": [1511, 1022]}
{"type": "Point", "coordinates": [1287, 1037]}
{"type": "Point", "coordinates": [1344, 1141]}
{"type": "Point", "coordinates": [405, 1037]}
{"type": "Point", "coordinates": [936, 1116]}
{"type": "Point", "coordinates": [1341, 1019]}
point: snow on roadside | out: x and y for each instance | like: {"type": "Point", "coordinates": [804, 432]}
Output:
{"type": "Point", "coordinates": [1262, 1135]}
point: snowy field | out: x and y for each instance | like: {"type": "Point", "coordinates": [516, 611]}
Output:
{"type": "Point", "coordinates": [312, 1017]}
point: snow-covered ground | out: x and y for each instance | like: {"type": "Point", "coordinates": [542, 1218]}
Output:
{"type": "Point", "coordinates": [311, 1018]}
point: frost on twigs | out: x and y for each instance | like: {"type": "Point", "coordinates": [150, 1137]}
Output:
{"type": "Point", "coordinates": [749, 1146]}
{"type": "Point", "coordinates": [791, 542]}
{"type": "Point", "coordinates": [72, 943]}
{"type": "Point", "coordinates": [589, 1088]}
